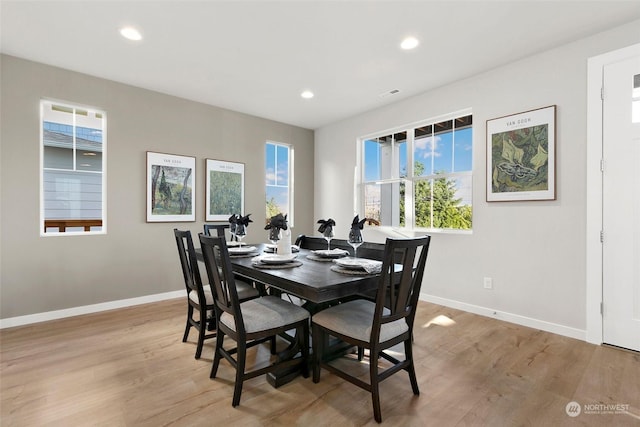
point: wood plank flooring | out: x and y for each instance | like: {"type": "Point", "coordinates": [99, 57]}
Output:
{"type": "Point", "coordinates": [129, 367]}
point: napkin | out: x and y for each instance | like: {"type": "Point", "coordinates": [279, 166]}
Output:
{"type": "Point", "coordinates": [284, 244]}
{"type": "Point", "coordinates": [356, 226]}
{"type": "Point", "coordinates": [233, 220]}
{"type": "Point", "coordinates": [326, 227]}
{"type": "Point", "coordinates": [334, 251]}
{"type": "Point", "coordinates": [372, 266]}
{"type": "Point", "coordinates": [244, 220]}
{"type": "Point", "coordinates": [277, 221]}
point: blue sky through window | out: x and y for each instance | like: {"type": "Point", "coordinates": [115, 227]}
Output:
{"type": "Point", "coordinates": [277, 175]}
{"type": "Point", "coordinates": [447, 152]}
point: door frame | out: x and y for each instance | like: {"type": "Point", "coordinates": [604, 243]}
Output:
{"type": "Point", "coordinates": [594, 272]}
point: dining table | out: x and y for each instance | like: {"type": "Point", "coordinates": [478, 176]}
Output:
{"type": "Point", "coordinates": [310, 278]}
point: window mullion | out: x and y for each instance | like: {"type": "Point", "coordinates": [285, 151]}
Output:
{"type": "Point", "coordinates": [73, 139]}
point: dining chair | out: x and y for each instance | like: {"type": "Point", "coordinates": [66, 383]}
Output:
{"type": "Point", "coordinates": [220, 232]}
{"type": "Point", "coordinates": [199, 297]}
{"type": "Point", "coordinates": [250, 322]}
{"type": "Point", "coordinates": [377, 326]}
{"type": "Point", "coordinates": [219, 229]}
{"type": "Point", "coordinates": [369, 250]}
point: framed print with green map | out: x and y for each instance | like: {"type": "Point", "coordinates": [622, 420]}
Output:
{"type": "Point", "coordinates": [521, 156]}
{"type": "Point", "coordinates": [224, 190]}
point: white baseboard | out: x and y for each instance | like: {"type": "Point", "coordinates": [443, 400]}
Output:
{"type": "Point", "coordinates": [483, 311]}
{"type": "Point", "coordinates": [93, 308]}
{"type": "Point", "coordinates": [508, 317]}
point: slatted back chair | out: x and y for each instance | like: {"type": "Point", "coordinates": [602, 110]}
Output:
{"type": "Point", "coordinates": [380, 325]}
{"type": "Point", "coordinates": [218, 228]}
{"type": "Point", "coordinates": [251, 322]}
{"type": "Point", "coordinates": [199, 297]}
{"type": "Point", "coordinates": [366, 250]}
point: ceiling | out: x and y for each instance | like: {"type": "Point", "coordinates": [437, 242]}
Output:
{"type": "Point", "coordinates": [256, 57]}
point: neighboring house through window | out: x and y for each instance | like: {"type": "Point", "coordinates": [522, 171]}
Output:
{"type": "Point", "coordinates": [73, 177]}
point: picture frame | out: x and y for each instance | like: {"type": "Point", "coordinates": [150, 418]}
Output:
{"type": "Point", "coordinates": [224, 189]}
{"type": "Point", "coordinates": [521, 156]}
{"type": "Point", "coordinates": [171, 187]}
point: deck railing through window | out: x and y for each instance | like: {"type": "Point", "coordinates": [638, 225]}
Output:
{"type": "Point", "coordinates": [62, 224]}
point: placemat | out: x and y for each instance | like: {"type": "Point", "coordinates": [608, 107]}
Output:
{"type": "Point", "coordinates": [249, 255]}
{"type": "Point", "coordinates": [319, 258]}
{"type": "Point", "coordinates": [258, 264]}
{"type": "Point", "coordinates": [349, 271]}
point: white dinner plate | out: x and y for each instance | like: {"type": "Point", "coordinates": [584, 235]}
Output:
{"type": "Point", "coordinates": [333, 253]}
{"type": "Point", "coordinates": [269, 247]}
{"type": "Point", "coordinates": [237, 250]}
{"type": "Point", "coordinates": [277, 259]}
{"type": "Point", "coordinates": [357, 263]}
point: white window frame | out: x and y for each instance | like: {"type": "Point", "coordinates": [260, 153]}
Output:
{"type": "Point", "coordinates": [290, 214]}
{"type": "Point", "coordinates": [360, 186]}
{"type": "Point", "coordinates": [74, 106]}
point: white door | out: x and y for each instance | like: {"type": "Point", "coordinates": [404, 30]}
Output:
{"type": "Point", "coordinates": [621, 204]}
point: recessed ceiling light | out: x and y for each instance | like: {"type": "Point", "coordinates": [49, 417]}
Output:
{"type": "Point", "coordinates": [409, 43]}
{"type": "Point", "coordinates": [130, 33]}
{"type": "Point", "coordinates": [307, 94]}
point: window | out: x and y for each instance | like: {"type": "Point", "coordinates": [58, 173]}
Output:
{"type": "Point", "coordinates": [72, 155]}
{"type": "Point", "coordinates": [279, 182]}
{"type": "Point", "coordinates": [420, 176]}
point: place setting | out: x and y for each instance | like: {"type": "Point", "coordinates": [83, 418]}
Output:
{"type": "Point", "coordinates": [354, 265]}
{"type": "Point", "coordinates": [327, 255]}
{"type": "Point", "coordinates": [238, 228]}
{"type": "Point", "coordinates": [275, 226]}
{"type": "Point", "coordinates": [280, 254]}
{"type": "Point", "coordinates": [237, 251]}
{"type": "Point", "coordinates": [275, 261]}
{"type": "Point", "coordinates": [270, 248]}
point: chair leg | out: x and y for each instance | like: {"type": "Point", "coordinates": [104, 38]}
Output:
{"type": "Point", "coordinates": [317, 351]}
{"type": "Point", "coordinates": [241, 362]}
{"type": "Point", "coordinates": [273, 345]}
{"type": "Point", "coordinates": [360, 354]}
{"type": "Point", "coordinates": [408, 351]}
{"type": "Point", "coordinates": [375, 385]}
{"type": "Point", "coordinates": [305, 348]}
{"type": "Point", "coordinates": [202, 330]}
{"type": "Point", "coordinates": [211, 323]}
{"type": "Point", "coordinates": [188, 326]}
{"type": "Point", "coordinates": [217, 354]}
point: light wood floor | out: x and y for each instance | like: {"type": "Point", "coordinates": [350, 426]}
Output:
{"type": "Point", "coordinates": [129, 368]}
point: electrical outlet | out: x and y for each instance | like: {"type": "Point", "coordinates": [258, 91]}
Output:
{"type": "Point", "coordinates": [488, 283]}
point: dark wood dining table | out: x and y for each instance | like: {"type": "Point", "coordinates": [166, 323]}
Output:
{"type": "Point", "coordinates": [313, 281]}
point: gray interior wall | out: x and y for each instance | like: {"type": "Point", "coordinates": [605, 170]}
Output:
{"type": "Point", "coordinates": [135, 258]}
{"type": "Point", "coordinates": [534, 251]}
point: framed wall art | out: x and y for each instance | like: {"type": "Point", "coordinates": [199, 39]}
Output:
{"type": "Point", "coordinates": [170, 187]}
{"type": "Point", "coordinates": [521, 156]}
{"type": "Point", "coordinates": [224, 189]}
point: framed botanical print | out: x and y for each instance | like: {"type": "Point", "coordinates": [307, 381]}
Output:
{"type": "Point", "coordinates": [170, 187]}
{"type": "Point", "coordinates": [224, 189]}
{"type": "Point", "coordinates": [521, 156]}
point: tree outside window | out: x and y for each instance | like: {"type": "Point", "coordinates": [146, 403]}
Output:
{"type": "Point", "coordinates": [278, 170]}
{"type": "Point", "coordinates": [421, 177]}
